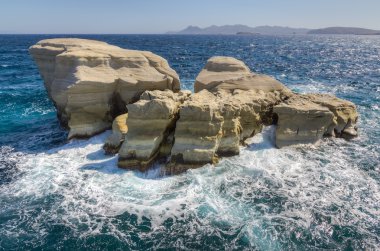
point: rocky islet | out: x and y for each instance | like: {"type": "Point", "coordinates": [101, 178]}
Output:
{"type": "Point", "coordinates": [95, 85]}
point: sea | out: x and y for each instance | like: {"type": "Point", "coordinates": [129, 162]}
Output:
{"type": "Point", "coordinates": [57, 194]}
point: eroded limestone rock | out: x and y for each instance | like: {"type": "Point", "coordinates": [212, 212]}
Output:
{"type": "Point", "coordinates": [228, 73]}
{"type": "Point", "coordinates": [301, 121]}
{"type": "Point", "coordinates": [119, 130]}
{"type": "Point", "coordinates": [213, 125]}
{"type": "Point", "coordinates": [151, 121]}
{"type": "Point", "coordinates": [197, 132]}
{"type": "Point", "coordinates": [230, 105]}
{"type": "Point", "coordinates": [306, 118]}
{"type": "Point", "coordinates": [90, 82]}
{"type": "Point", "coordinates": [244, 114]}
{"type": "Point", "coordinates": [345, 114]}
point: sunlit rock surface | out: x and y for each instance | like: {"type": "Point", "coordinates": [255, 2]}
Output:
{"type": "Point", "coordinates": [90, 82]}
{"type": "Point", "coordinates": [94, 85]}
{"type": "Point", "coordinates": [345, 114]}
{"type": "Point", "coordinates": [307, 118]}
{"type": "Point", "coordinates": [229, 74]}
{"type": "Point", "coordinates": [150, 122]}
{"type": "Point", "coordinates": [301, 121]}
{"type": "Point", "coordinates": [119, 130]}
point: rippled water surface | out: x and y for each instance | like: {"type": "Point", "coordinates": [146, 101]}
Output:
{"type": "Point", "coordinates": [56, 194]}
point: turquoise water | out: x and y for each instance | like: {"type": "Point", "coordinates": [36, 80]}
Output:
{"type": "Point", "coordinates": [56, 194]}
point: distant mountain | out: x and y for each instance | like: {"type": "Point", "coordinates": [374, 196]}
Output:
{"type": "Point", "coordinates": [345, 31]}
{"type": "Point", "coordinates": [242, 33]}
{"type": "Point", "coordinates": [239, 28]}
{"type": "Point", "coordinates": [280, 30]}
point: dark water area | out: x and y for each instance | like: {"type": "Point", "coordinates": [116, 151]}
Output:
{"type": "Point", "coordinates": [59, 194]}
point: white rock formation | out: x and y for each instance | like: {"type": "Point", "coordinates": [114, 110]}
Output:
{"type": "Point", "coordinates": [90, 82]}
{"type": "Point", "coordinates": [151, 120]}
{"type": "Point", "coordinates": [307, 118]}
{"type": "Point", "coordinates": [228, 73]}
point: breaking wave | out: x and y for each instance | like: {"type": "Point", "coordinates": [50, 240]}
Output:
{"type": "Point", "coordinates": [265, 198]}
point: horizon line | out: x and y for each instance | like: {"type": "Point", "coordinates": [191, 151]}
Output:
{"type": "Point", "coordinates": [174, 32]}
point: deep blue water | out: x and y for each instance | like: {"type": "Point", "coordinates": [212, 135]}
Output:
{"type": "Point", "coordinates": [56, 194]}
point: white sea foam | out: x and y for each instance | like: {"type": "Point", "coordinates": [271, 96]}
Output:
{"type": "Point", "coordinates": [263, 186]}
{"type": "Point", "coordinates": [319, 87]}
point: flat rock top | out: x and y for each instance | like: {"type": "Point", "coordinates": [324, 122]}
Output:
{"type": "Point", "coordinates": [330, 101]}
{"type": "Point", "coordinates": [226, 64]}
{"type": "Point", "coordinates": [97, 61]}
{"type": "Point", "coordinates": [299, 104]}
{"type": "Point", "coordinates": [71, 44]}
{"type": "Point", "coordinates": [83, 48]}
{"type": "Point", "coordinates": [203, 98]}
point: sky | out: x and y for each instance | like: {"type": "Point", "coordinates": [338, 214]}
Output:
{"type": "Point", "coordinates": [160, 16]}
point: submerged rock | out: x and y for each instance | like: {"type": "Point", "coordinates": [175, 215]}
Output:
{"type": "Point", "coordinates": [90, 82]}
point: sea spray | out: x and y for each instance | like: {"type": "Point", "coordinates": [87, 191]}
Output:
{"type": "Point", "coordinates": [271, 195]}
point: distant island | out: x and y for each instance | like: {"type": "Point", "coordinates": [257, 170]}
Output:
{"type": "Point", "coordinates": [240, 29]}
{"type": "Point", "coordinates": [345, 31]}
{"type": "Point", "coordinates": [242, 33]}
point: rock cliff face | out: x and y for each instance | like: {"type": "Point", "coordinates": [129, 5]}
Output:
{"type": "Point", "coordinates": [345, 114]}
{"type": "Point", "coordinates": [198, 131]}
{"type": "Point", "coordinates": [151, 120]}
{"type": "Point", "coordinates": [230, 104]}
{"type": "Point", "coordinates": [90, 82]}
{"type": "Point", "coordinates": [301, 121]}
{"type": "Point", "coordinates": [212, 125]}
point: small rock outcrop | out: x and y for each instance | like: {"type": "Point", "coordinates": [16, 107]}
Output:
{"type": "Point", "coordinates": [213, 125]}
{"type": "Point", "coordinates": [119, 130]}
{"type": "Point", "coordinates": [91, 82]}
{"type": "Point", "coordinates": [345, 114]}
{"type": "Point", "coordinates": [228, 73]}
{"type": "Point", "coordinates": [306, 118]}
{"type": "Point", "coordinates": [301, 121]}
